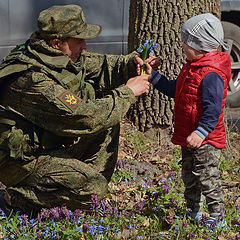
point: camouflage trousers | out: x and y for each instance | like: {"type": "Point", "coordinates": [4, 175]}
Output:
{"type": "Point", "coordinates": [201, 176]}
{"type": "Point", "coordinates": [59, 178]}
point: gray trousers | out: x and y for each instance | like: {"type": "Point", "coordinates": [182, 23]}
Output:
{"type": "Point", "coordinates": [201, 176]}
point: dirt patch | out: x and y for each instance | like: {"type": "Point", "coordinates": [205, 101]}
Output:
{"type": "Point", "coordinates": [141, 169]}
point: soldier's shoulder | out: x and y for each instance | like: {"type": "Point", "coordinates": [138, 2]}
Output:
{"type": "Point", "coordinates": [39, 76]}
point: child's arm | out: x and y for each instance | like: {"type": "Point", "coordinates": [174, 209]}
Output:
{"type": "Point", "coordinates": [160, 82]}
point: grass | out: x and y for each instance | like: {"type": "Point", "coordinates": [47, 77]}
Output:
{"type": "Point", "coordinates": [138, 206]}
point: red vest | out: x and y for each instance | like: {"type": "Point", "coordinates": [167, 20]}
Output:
{"type": "Point", "coordinates": [188, 97]}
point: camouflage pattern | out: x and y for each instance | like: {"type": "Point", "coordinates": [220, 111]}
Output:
{"type": "Point", "coordinates": [63, 122]}
{"type": "Point", "coordinates": [201, 176]}
{"type": "Point", "coordinates": [66, 21]}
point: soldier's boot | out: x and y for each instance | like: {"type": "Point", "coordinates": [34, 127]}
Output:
{"type": "Point", "coordinates": [5, 206]}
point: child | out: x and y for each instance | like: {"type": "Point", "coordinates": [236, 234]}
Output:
{"type": "Point", "coordinates": [200, 94]}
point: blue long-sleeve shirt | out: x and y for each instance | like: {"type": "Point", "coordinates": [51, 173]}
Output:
{"type": "Point", "coordinates": [211, 98]}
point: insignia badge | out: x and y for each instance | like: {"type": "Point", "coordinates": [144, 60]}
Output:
{"type": "Point", "coordinates": [70, 100]}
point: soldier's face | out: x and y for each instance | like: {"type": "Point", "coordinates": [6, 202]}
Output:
{"type": "Point", "coordinates": [73, 47]}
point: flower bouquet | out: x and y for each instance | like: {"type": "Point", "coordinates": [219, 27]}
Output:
{"type": "Point", "coordinates": [145, 51]}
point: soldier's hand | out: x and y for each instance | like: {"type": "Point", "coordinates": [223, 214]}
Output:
{"type": "Point", "coordinates": [148, 69]}
{"type": "Point", "coordinates": [139, 85]}
{"type": "Point", "coordinates": [194, 141]}
{"type": "Point", "coordinates": [139, 62]}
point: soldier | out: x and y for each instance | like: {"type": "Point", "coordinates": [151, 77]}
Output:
{"type": "Point", "coordinates": [60, 110]}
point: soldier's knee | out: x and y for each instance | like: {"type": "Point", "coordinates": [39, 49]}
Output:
{"type": "Point", "coordinates": [98, 185]}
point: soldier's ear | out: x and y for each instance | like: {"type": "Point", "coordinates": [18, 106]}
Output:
{"type": "Point", "coordinates": [55, 43]}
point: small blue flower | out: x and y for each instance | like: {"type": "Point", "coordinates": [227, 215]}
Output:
{"type": "Point", "coordinates": [131, 226]}
{"type": "Point", "coordinates": [140, 50]}
{"type": "Point", "coordinates": [145, 50]}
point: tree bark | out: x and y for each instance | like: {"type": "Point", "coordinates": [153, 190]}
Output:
{"type": "Point", "coordinates": [161, 21]}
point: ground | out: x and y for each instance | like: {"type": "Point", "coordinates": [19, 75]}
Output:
{"type": "Point", "coordinates": [144, 157]}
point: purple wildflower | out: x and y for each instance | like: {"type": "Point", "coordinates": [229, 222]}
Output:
{"type": "Point", "coordinates": [63, 214]}
{"type": "Point", "coordinates": [77, 213]}
{"type": "Point", "coordinates": [85, 227]}
{"type": "Point", "coordinates": [108, 211]}
{"type": "Point", "coordinates": [42, 215]}
{"type": "Point", "coordinates": [171, 174]}
{"type": "Point", "coordinates": [115, 212]}
{"type": "Point", "coordinates": [39, 234]}
{"type": "Point", "coordinates": [166, 206]}
{"type": "Point", "coordinates": [125, 214]}
{"type": "Point", "coordinates": [191, 236]}
{"type": "Point", "coordinates": [173, 202]}
{"type": "Point", "coordinates": [95, 204]}
{"type": "Point", "coordinates": [24, 219]}
{"type": "Point", "coordinates": [237, 236]}
{"type": "Point", "coordinates": [149, 182]}
{"type": "Point", "coordinates": [171, 220]}
{"type": "Point", "coordinates": [121, 163]}
{"type": "Point", "coordinates": [149, 194]}
{"type": "Point", "coordinates": [184, 224]}
{"type": "Point", "coordinates": [140, 205]}
{"type": "Point", "coordinates": [157, 195]}
{"type": "Point", "coordinates": [237, 207]}
{"type": "Point", "coordinates": [53, 213]}
{"type": "Point", "coordinates": [221, 216]}
{"type": "Point", "coordinates": [166, 188]}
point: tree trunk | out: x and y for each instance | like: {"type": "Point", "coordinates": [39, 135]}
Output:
{"type": "Point", "coordinates": [161, 21]}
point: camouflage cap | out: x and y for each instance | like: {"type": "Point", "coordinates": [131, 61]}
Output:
{"type": "Point", "coordinates": [66, 21]}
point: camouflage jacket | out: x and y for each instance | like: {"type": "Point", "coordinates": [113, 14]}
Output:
{"type": "Point", "coordinates": [52, 101]}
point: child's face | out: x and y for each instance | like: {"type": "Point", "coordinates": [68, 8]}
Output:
{"type": "Point", "coordinates": [190, 52]}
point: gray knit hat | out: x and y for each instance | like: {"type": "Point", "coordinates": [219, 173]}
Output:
{"type": "Point", "coordinates": [204, 33]}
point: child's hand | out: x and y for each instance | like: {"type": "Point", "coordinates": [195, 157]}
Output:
{"type": "Point", "coordinates": [194, 141]}
{"type": "Point", "coordinates": [148, 69]}
{"type": "Point", "coordinates": [153, 61]}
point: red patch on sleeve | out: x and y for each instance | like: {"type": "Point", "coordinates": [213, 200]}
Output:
{"type": "Point", "coordinates": [70, 99]}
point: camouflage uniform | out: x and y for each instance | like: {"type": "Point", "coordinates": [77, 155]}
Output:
{"type": "Point", "coordinates": [59, 122]}
{"type": "Point", "coordinates": [200, 174]}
